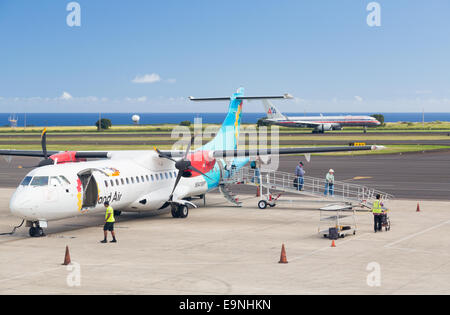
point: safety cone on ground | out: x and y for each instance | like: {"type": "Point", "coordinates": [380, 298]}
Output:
{"type": "Point", "coordinates": [66, 257]}
{"type": "Point", "coordinates": [333, 244]}
{"type": "Point", "coordinates": [283, 259]}
{"type": "Point", "coordinates": [258, 191]}
{"type": "Point", "coordinates": [418, 208]}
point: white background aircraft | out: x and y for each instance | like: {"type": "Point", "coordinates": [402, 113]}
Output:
{"type": "Point", "coordinates": [319, 123]}
{"type": "Point", "coordinates": [65, 185]}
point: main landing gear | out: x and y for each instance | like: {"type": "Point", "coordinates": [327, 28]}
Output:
{"type": "Point", "coordinates": [36, 230]}
{"type": "Point", "coordinates": [180, 211]}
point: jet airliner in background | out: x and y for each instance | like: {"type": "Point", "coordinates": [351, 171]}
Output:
{"type": "Point", "coordinates": [319, 123]}
{"type": "Point", "coordinates": [64, 184]}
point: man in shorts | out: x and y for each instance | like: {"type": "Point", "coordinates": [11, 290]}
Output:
{"type": "Point", "coordinates": [109, 223]}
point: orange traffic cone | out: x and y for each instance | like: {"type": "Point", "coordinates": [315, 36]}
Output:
{"type": "Point", "coordinates": [258, 191]}
{"type": "Point", "coordinates": [333, 244]}
{"type": "Point", "coordinates": [283, 259]}
{"type": "Point", "coordinates": [418, 208]}
{"type": "Point", "coordinates": [66, 257]}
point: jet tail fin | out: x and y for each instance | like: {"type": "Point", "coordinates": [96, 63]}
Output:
{"type": "Point", "coordinates": [271, 111]}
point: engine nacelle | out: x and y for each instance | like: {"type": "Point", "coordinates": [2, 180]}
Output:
{"type": "Point", "coordinates": [326, 127]}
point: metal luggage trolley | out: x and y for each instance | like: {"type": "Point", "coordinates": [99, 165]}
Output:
{"type": "Point", "coordinates": [386, 222]}
{"type": "Point", "coordinates": [339, 216]}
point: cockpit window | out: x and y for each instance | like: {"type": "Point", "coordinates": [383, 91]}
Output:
{"type": "Point", "coordinates": [64, 180]}
{"type": "Point", "coordinates": [39, 181]}
{"type": "Point", "coordinates": [26, 181]}
{"type": "Point", "coordinates": [55, 181]}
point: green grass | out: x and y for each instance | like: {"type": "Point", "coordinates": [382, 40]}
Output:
{"type": "Point", "coordinates": [167, 128]}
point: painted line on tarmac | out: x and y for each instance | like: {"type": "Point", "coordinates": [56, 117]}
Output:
{"type": "Point", "coordinates": [328, 247]}
{"type": "Point", "coordinates": [417, 234]}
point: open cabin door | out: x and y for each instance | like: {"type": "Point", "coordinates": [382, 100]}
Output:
{"type": "Point", "coordinates": [90, 188]}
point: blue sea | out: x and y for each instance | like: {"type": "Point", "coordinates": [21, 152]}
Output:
{"type": "Point", "coordinates": [89, 119]}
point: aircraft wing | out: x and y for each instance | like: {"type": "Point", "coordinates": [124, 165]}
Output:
{"type": "Point", "coordinates": [280, 151]}
{"type": "Point", "coordinates": [284, 151]}
{"type": "Point", "coordinates": [36, 153]}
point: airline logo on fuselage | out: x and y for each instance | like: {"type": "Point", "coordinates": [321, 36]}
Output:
{"type": "Point", "coordinates": [110, 198]}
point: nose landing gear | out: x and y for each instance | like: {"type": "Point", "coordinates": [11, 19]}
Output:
{"type": "Point", "coordinates": [36, 230]}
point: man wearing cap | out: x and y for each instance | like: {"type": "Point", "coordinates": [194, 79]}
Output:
{"type": "Point", "coordinates": [299, 172]}
{"type": "Point", "coordinates": [109, 223]}
{"type": "Point", "coordinates": [329, 183]}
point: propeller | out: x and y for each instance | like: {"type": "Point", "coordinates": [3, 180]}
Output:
{"type": "Point", "coordinates": [46, 160]}
{"type": "Point", "coordinates": [183, 166]}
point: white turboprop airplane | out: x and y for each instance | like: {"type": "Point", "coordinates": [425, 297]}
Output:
{"type": "Point", "coordinates": [319, 123]}
{"type": "Point", "coordinates": [65, 184]}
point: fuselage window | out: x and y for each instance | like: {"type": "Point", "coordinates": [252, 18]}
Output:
{"type": "Point", "coordinates": [126, 179]}
{"type": "Point", "coordinates": [161, 176]}
{"type": "Point", "coordinates": [132, 180]}
{"type": "Point", "coordinates": [137, 179]}
{"type": "Point", "coordinates": [167, 176]}
{"type": "Point", "coordinates": [26, 181]}
{"type": "Point", "coordinates": [39, 181]}
{"type": "Point", "coordinates": [151, 176]}
{"type": "Point", "coordinates": [117, 182]}
{"type": "Point", "coordinates": [112, 183]}
{"type": "Point", "coordinates": [122, 181]}
{"type": "Point", "coordinates": [148, 179]}
{"type": "Point", "coordinates": [106, 183]}
{"type": "Point", "coordinates": [142, 178]}
{"type": "Point", "coordinates": [157, 177]}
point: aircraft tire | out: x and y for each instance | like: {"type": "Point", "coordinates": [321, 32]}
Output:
{"type": "Point", "coordinates": [32, 231]}
{"type": "Point", "coordinates": [175, 212]}
{"type": "Point", "coordinates": [183, 211]}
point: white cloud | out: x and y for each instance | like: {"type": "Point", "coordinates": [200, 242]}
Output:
{"type": "Point", "coordinates": [421, 92]}
{"type": "Point", "coordinates": [136, 99]}
{"type": "Point", "coordinates": [66, 96]}
{"type": "Point", "coordinates": [147, 78]}
{"type": "Point", "coordinates": [358, 98]}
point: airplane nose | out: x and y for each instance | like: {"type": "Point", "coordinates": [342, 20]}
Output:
{"type": "Point", "coordinates": [20, 206]}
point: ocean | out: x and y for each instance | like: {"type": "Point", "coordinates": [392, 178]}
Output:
{"type": "Point", "coordinates": [89, 119]}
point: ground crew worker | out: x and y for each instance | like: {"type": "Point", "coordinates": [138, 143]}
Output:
{"type": "Point", "coordinates": [109, 223]}
{"type": "Point", "coordinates": [378, 212]}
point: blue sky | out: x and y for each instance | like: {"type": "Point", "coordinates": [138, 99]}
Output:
{"type": "Point", "coordinates": [322, 52]}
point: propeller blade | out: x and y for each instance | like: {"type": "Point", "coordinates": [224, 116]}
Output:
{"type": "Point", "coordinates": [188, 148]}
{"type": "Point", "coordinates": [198, 171]}
{"type": "Point", "coordinates": [44, 142]}
{"type": "Point", "coordinates": [180, 174]}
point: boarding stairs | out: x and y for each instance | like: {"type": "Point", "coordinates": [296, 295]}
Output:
{"type": "Point", "coordinates": [225, 189]}
{"type": "Point", "coordinates": [344, 192]}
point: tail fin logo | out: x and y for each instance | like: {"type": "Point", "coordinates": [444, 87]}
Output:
{"type": "Point", "coordinates": [272, 111]}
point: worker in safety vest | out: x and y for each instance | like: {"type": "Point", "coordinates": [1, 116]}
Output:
{"type": "Point", "coordinates": [109, 223]}
{"type": "Point", "coordinates": [378, 212]}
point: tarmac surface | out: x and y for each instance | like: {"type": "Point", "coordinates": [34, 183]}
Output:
{"type": "Point", "coordinates": [417, 176]}
{"type": "Point", "coordinates": [225, 250]}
